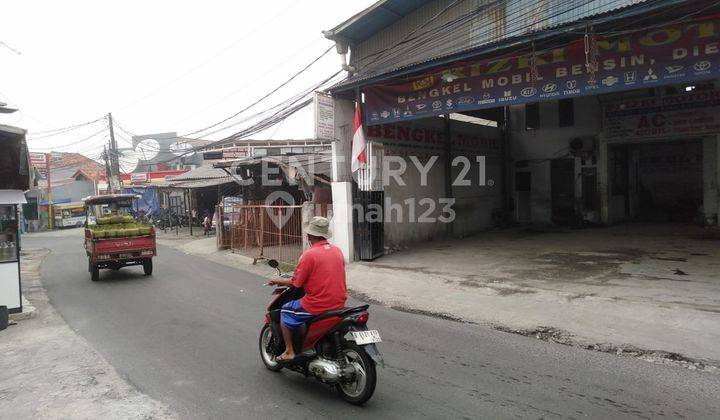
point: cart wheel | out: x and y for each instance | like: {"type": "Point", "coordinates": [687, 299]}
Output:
{"type": "Point", "coordinates": [147, 266]}
{"type": "Point", "coordinates": [94, 272]}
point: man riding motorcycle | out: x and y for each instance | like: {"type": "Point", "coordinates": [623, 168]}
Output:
{"type": "Point", "coordinates": [321, 273]}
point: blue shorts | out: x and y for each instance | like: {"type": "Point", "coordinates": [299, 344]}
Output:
{"type": "Point", "coordinates": [293, 315]}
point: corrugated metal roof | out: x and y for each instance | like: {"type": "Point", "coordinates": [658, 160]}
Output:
{"type": "Point", "coordinates": [202, 183]}
{"type": "Point", "coordinates": [374, 18]}
{"type": "Point", "coordinates": [296, 166]}
{"type": "Point", "coordinates": [201, 172]}
{"type": "Point", "coordinates": [388, 51]}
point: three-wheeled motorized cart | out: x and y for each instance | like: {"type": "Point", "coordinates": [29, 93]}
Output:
{"type": "Point", "coordinates": [113, 237]}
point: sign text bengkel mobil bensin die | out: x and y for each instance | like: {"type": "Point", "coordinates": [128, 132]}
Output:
{"type": "Point", "coordinates": [672, 54]}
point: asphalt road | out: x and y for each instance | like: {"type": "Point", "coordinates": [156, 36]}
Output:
{"type": "Point", "coordinates": [187, 336]}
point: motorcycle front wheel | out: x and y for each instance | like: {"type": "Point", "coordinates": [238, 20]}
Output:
{"type": "Point", "coordinates": [267, 356]}
{"type": "Point", "coordinates": [362, 386]}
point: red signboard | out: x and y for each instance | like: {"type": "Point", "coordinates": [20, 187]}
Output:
{"type": "Point", "coordinates": [683, 52]}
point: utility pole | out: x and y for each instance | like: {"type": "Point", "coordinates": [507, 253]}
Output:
{"type": "Point", "coordinates": [114, 162]}
{"type": "Point", "coordinates": [108, 171]}
{"type": "Point", "coordinates": [49, 191]}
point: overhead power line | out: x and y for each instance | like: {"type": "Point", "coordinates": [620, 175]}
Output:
{"type": "Point", "coordinates": [262, 75]}
{"type": "Point", "coordinates": [253, 31]}
{"type": "Point", "coordinates": [283, 84]}
{"type": "Point", "coordinates": [65, 146]}
{"type": "Point", "coordinates": [64, 130]}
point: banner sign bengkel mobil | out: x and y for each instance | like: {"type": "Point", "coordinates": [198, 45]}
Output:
{"type": "Point", "coordinates": [678, 53]}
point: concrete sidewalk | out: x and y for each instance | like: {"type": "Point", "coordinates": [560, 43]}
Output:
{"type": "Point", "coordinates": [48, 371]}
{"type": "Point", "coordinates": [638, 288]}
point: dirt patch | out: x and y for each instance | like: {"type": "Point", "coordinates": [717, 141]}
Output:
{"type": "Point", "coordinates": [558, 336]}
{"type": "Point", "coordinates": [506, 291]}
{"type": "Point", "coordinates": [447, 317]}
{"type": "Point", "coordinates": [677, 259]}
{"type": "Point", "coordinates": [573, 266]}
{"type": "Point", "coordinates": [580, 296]}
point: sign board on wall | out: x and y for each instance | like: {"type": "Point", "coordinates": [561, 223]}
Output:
{"type": "Point", "coordinates": [138, 177]}
{"type": "Point", "coordinates": [38, 161]}
{"type": "Point", "coordinates": [324, 116]}
{"type": "Point", "coordinates": [427, 137]}
{"type": "Point", "coordinates": [686, 115]}
{"type": "Point", "coordinates": [683, 52]}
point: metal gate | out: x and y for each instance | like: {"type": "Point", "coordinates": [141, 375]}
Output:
{"type": "Point", "coordinates": [368, 198]}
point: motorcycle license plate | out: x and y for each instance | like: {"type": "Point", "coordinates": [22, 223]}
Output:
{"type": "Point", "coordinates": [366, 337]}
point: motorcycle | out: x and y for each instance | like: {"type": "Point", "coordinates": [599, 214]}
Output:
{"type": "Point", "coordinates": [335, 347]}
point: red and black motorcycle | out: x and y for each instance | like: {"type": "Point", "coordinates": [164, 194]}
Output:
{"type": "Point", "coordinates": [335, 347]}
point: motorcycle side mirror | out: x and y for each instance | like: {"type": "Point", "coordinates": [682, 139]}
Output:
{"type": "Point", "coordinates": [273, 263]}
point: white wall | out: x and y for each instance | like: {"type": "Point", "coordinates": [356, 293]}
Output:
{"type": "Point", "coordinates": [474, 204]}
{"type": "Point", "coordinates": [341, 181]}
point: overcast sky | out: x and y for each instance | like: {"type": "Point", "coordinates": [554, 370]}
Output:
{"type": "Point", "coordinates": [160, 65]}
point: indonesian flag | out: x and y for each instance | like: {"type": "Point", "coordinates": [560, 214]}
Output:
{"type": "Point", "coordinates": [359, 159]}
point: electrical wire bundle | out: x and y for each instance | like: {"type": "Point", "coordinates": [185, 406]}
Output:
{"type": "Point", "coordinates": [484, 25]}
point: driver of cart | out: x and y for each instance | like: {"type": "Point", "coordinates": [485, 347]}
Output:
{"type": "Point", "coordinates": [321, 273]}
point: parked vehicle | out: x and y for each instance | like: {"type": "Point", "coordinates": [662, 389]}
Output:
{"type": "Point", "coordinates": [113, 238]}
{"type": "Point", "coordinates": [69, 215]}
{"type": "Point", "coordinates": [335, 347]}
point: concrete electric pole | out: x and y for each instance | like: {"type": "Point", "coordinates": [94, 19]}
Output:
{"type": "Point", "coordinates": [114, 159]}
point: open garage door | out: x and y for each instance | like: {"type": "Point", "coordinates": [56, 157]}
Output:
{"type": "Point", "coordinates": [659, 181]}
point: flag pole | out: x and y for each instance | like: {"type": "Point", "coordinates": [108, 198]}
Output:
{"type": "Point", "coordinates": [358, 101]}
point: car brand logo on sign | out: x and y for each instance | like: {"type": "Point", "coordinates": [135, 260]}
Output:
{"type": "Point", "coordinates": [549, 87]}
{"type": "Point", "coordinates": [528, 91]}
{"type": "Point", "coordinates": [610, 80]}
{"type": "Point", "coordinates": [702, 65]}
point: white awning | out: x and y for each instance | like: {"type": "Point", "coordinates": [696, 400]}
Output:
{"type": "Point", "coordinates": [12, 197]}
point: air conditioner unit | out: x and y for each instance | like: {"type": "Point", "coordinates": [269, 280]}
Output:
{"type": "Point", "coordinates": [582, 145]}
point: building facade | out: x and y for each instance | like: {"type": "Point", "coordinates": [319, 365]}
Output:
{"type": "Point", "coordinates": [599, 112]}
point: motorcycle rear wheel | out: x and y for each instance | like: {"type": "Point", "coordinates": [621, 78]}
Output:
{"type": "Point", "coordinates": [266, 336]}
{"type": "Point", "coordinates": [363, 386]}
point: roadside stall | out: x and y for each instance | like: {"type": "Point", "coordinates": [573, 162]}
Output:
{"type": "Point", "coordinates": [14, 180]}
{"type": "Point", "coordinates": [10, 249]}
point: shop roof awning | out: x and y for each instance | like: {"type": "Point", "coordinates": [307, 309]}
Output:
{"type": "Point", "coordinates": [201, 183]}
{"type": "Point", "coordinates": [371, 20]}
{"type": "Point", "coordinates": [109, 198]}
{"type": "Point", "coordinates": [317, 166]}
{"type": "Point", "coordinates": [12, 197]}
{"type": "Point", "coordinates": [441, 44]}
{"type": "Point", "coordinates": [200, 177]}
{"type": "Point", "coordinates": [14, 159]}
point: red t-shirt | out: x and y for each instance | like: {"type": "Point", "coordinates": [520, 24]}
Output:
{"type": "Point", "coordinates": [321, 272]}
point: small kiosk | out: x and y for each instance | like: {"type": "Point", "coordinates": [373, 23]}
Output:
{"type": "Point", "coordinates": [15, 179]}
{"type": "Point", "coordinates": [10, 249]}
